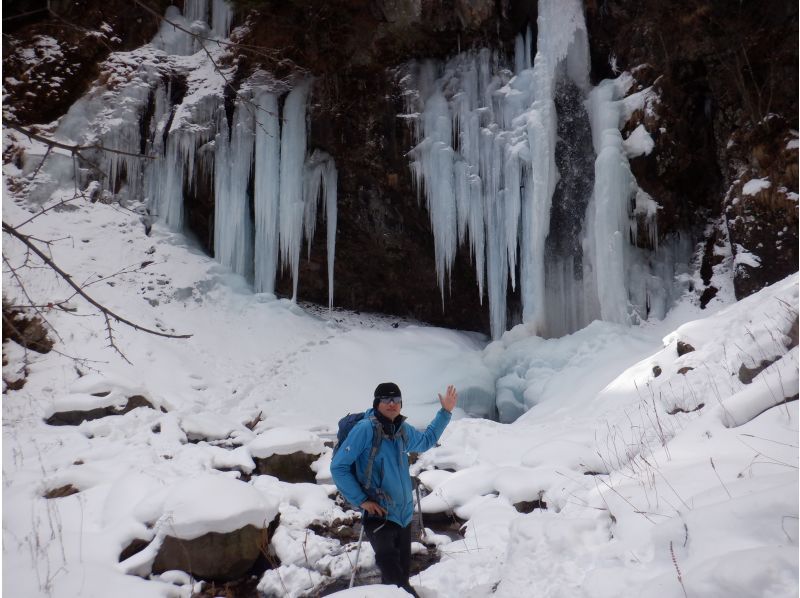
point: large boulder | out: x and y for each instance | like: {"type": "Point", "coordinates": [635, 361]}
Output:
{"type": "Point", "coordinates": [213, 556]}
{"type": "Point", "coordinates": [214, 527]}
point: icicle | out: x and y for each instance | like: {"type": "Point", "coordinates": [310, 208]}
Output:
{"type": "Point", "coordinates": [221, 18]}
{"type": "Point", "coordinates": [519, 55]}
{"type": "Point", "coordinates": [528, 48]}
{"type": "Point", "coordinates": [511, 209]}
{"type": "Point", "coordinates": [330, 187]}
{"type": "Point", "coordinates": [195, 10]}
{"type": "Point", "coordinates": [267, 190]}
{"type": "Point", "coordinates": [167, 179]}
{"type": "Point", "coordinates": [320, 183]}
{"type": "Point", "coordinates": [293, 150]}
{"type": "Point", "coordinates": [233, 230]}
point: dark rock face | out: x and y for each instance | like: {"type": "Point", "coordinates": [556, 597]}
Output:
{"type": "Point", "coordinates": [763, 225]}
{"type": "Point", "coordinates": [213, 556]}
{"type": "Point", "coordinates": [294, 468]}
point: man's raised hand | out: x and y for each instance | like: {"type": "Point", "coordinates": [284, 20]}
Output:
{"type": "Point", "coordinates": [449, 399]}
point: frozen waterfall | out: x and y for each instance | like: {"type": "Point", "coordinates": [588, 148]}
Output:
{"type": "Point", "coordinates": [495, 148]}
{"type": "Point", "coordinates": [169, 102]}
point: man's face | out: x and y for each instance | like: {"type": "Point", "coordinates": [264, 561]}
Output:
{"type": "Point", "coordinates": [389, 410]}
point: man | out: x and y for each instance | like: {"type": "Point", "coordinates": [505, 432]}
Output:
{"type": "Point", "coordinates": [386, 498]}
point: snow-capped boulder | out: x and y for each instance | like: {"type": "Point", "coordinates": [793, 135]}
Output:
{"type": "Point", "coordinates": [213, 527]}
{"type": "Point", "coordinates": [213, 427]}
{"type": "Point", "coordinates": [77, 408]}
{"type": "Point", "coordinates": [287, 454]}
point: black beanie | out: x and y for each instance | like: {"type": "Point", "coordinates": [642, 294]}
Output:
{"type": "Point", "coordinates": [386, 389]}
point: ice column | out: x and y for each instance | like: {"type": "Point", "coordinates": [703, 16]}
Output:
{"type": "Point", "coordinates": [233, 228]}
{"type": "Point", "coordinates": [292, 204]}
{"type": "Point", "coordinates": [606, 243]}
{"type": "Point", "coordinates": [266, 189]}
{"type": "Point", "coordinates": [562, 50]}
{"type": "Point", "coordinates": [221, 18]}
{"type": "Point", "coordinates": [127, 138]}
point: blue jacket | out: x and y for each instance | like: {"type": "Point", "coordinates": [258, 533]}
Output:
{"type": "Point", "coordinates": [390, 477]}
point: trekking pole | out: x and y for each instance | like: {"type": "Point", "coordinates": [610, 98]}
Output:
{"type": "Point", "coordinates": [358, 552]}
{"type": "Point", "coordinates": [419, 508]}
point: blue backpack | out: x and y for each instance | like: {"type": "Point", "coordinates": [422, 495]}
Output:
{"type": "Point", "coordinates": [345, 425]}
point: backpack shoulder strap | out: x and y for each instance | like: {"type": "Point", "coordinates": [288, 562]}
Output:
{"type": "Point", "coordinates": [377, 437]}
{"type": "Point", "coordinates": [403, 435]}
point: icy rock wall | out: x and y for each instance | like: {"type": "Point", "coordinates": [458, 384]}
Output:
{"type": "Point", "coordinates": [485, 162]}
{"type": "Point", "coordinates": [168, 102]}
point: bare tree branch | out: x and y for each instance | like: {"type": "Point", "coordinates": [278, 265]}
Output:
{"type": "Point", "coordinates": [107, 313]}
{"type": "Point", "coordinates": [75, 150]}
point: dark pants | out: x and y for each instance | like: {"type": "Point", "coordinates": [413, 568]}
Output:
{"type": "Point", "coordinates": [392, 546]}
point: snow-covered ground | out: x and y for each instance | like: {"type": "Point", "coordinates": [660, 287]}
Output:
{"type": "Point", "coordinates": [648, 493]}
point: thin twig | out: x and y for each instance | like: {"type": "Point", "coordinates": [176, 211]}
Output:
{"type": "Point", "coordinates": [719, 478]}
{"type": "Point", "coordinates": [45, 210]}
{"type": "Point", "coordinates": [675, 562]}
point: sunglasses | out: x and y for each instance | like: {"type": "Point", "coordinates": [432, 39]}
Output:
{"type": "Point", "coordinates": [387, 400]}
